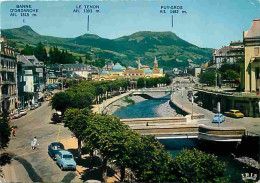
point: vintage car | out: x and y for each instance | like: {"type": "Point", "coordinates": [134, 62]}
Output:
{"type": "Point", "coordinates": [65, 160]}
{"type": "Point", "coordinates": [218, 118]}
{"type": "Point", "coordinates": [56, 117]}
{"type": "Point", "coordinates": [23, 112]}
{"type": "Point", "coordinates": [234, 114]}
{"type": "Point", "coordinates": [48, 99]}
{"type": "Point", "coordinates": [54, 148]}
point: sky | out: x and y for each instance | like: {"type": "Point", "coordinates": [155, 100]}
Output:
{"type": "Point", "coordinates": [207, 23]}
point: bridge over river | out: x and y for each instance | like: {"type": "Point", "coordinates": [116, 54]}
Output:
{"type": "Point", "coordinates": [178, 127]}
{"type": "Point", "coordinates": [174, 127]}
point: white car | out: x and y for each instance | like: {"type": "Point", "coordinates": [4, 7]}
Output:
{"type": "Point", "coordinates": [17, 115]}
{"type": "Point", "coordinates": [23, 112]}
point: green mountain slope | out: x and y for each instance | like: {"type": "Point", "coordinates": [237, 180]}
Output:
{"type": "Point", "coordinates": [170, 50]}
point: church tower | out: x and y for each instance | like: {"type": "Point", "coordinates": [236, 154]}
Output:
{"type": "Point", "coordinates": [155, 64]}
{"type": "Point", "coordinates": [139, 64]}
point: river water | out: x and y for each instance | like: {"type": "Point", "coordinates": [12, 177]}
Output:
{"type": "Point", "coordinates": [148, 109]}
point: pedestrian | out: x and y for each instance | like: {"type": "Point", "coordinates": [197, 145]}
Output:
{"type": "Point", "coordinates": [12, 131]}
{"type": "Point", "coordinates": [34, 143]}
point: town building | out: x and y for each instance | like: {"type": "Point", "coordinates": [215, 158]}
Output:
{"type": "Point", "coordinates": [250, 78]}
{"type": "Point", "coordinates": [31, 79]}
{"type": "Point", "coordinates": [108, 66]}
{"type": "Point", "coordinates": [57, 72]}
{"type": "Point", "coordinates": [231, 54]}
{"type": "Point", "coordinates": [120, 72]}
{"type": "Point", "coordinates": [8, 89]}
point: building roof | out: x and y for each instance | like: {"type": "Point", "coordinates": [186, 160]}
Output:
{"type": "Point", "coordinates": [148, 71]}
{"type": "Point", "coordinates": [222, 51]}
{"type": "Point", "coordinates": [117, 68]}
{"type": "Point", "coordinates": [24, 60]}
{"type": "Point", "coordinates": [75, 66]}
{"type": "Point", "coordinates": [104, 72]}
{"type": "Point", "coordinates": [254, 30]}
{"type": "Point", "coordinates": [29, 60]}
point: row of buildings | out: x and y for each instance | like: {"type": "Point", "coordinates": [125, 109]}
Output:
{"type": "Point", "coordinates": [117, 71]}
{"type": "Point", "coordinates": [246, 53]}
{"type": "Point", "coordinates": [23, 78]}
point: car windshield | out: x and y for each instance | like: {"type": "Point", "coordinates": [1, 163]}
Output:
{"type": "Point", "coordinates": [57, 147]}
{"type": "Point", "coordinates": [67, 156]}
{"type": "Point", "coordinates": [217, 115]}
{"type": "Point", "coordinates": [237, 111]}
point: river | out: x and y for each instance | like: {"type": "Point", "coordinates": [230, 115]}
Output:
{"type": "Point", "coordinates": [149, 108]}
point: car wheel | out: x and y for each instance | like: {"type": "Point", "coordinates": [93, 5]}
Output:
{"type": "Point", "coordinates": [61, 167]}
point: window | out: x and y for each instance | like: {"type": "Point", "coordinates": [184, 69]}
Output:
{"type": "Point", "coordinates": [67, 156]}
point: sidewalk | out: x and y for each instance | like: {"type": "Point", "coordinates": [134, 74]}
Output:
{"type": "Point", "coordinates": [72, 143]}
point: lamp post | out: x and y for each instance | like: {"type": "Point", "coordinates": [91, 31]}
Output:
{"type": "Point", "coordinates": [218, 106]}
{"type": "Point", "coordinates": [182, 98]}
{"type": "Point", "coordinates": [192, 100]}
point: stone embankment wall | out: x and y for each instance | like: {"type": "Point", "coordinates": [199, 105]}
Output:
{"type": "Point", "coordinates": [185, 110]}
{"type": "Point", "coordinates": [112, 108]}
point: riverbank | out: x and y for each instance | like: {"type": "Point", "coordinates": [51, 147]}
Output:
{"type": "Point", "coordinates": [165, 110]}
{"type": "Point", "coordinates": [121, 103]}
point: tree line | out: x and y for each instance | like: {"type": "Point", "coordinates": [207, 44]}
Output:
{"type": "Point", "coordinates": [227, 72]}
{"type": "Point", "coordinates": [55, 55]}
{"type": "Point", "coordinates": [116, 143]}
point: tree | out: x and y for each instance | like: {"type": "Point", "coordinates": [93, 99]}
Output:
{"type": "Point", "coordinates": [5, 132]}
{"type": "Point", "coordinates": [40, 52]}
{"type": "Point", "coordinates": [208, 77]}
{"type": "Point", "coordinates": [80, 60]}
{"type": "Point", "coordinates": [141, 82]}
{"type": "Point", "coordinates": [77, 121]}
{"type": "Point", "coordinates": [148, 161]}
{"type": "Point", "coordinates": [196, 166]}
{"type": "Point", "coordinates": [61, 101]}
{"type": "Point", "coordinates": [81, 100]}
{"type": "Point", "coordinates": [28, 50]}
{"type": "Point", "coordinates": [231, 75]}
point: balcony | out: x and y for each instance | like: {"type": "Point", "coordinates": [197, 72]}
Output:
{"type": "Point", "coordinates": [5, 96]}
{"type": "Point", "coordinates": [7, 82]}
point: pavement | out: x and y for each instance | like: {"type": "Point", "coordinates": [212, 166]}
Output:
{"type": "Point", "coordinates": [251, 124]}
{"type": "Point", "coordinates": [30, 165]}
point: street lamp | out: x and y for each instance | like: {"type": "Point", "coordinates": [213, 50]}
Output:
{"type": "Point", "coordinates": [182, 97]}
{"type": "Point", "coordinates": [218, 106]}
{"type": "Point", "coordinates": [192, 100]}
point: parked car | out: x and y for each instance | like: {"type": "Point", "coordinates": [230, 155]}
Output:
{"type": "Point", "coordinates": [23, 112]}
{"type": "Point", "coordinates": [65, 160]}
{"type": "Point", "coordinates": [54, 148]}
{"type": "Point", "coordinates": [219, 118]}
{"type": "Point", "coordinates": [36, 105]}
{"type": "Point", "coordinates": [200, 103]}
{"type": "Point", "coordinates": [234, 113]}
{"type": "Point", "coordinates": [17, 115]}
{"type": "Point", "coordinates": [32, 107]}
{"type": "Point", "coordinates": [49, 98]}
{"type": "Point", "coordinates": [56, 118]}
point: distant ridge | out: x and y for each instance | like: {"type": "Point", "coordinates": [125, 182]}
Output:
{"type": "Point", "coordinates": [166, 46]}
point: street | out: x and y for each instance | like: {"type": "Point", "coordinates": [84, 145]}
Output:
{"type": "Point", "coordinates": [251, 124]}
{"type": "Point", "coordinates": [36, 165]}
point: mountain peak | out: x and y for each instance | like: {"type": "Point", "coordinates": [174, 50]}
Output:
{"type": "Point", "coordinates": [89, 36]}
{"type": "Point", "coordinates": [26, 28]}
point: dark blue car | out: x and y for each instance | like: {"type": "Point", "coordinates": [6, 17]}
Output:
{"type": "Point", "coordinates": [54, 148]}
